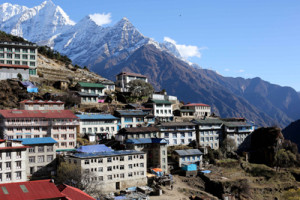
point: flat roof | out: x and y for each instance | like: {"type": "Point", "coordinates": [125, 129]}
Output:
{"type": "Point", "coordinates": [147, 141]}
{"type": "Point", "coordinates": [188, 152]}
{"type": "Point", "coordinates": [47, 114]}
{"type": "Point", "coordinates": [96, 116]}
{"type": "Point", "coordinates": [131, 112]}
{"type": "Point", "coordinates": [197, 104]}
{"type": "Point", "coordinates": [94, 85]}
{"type": "Point", "coordinates": [43, 140]}
{"type": "Point", "coordinates": [106, 154]}
{"type": "Point", "coordinates": [131, 74]}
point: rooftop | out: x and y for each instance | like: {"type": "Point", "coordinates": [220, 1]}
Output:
{"type": "Point", "coordinates": [96, 116]}
{"type": "Point", "coordinates": [131, 74]}
{"type": "Point", "coordinates": [208, 121]}
{"type": "Point", "coordinates": [41, 102]}
{"type": "Point", "coordinates": [186, 110]}
{"type": "Point", "coordinates": [160, 101]}
{"type": "Point", "coordinates": [93, 148]}
{"type": "Point", "coordinates": [165, 124]}
{"type": "Point", "coordinates": [84, 94]}
{"type": "Point", "coordinates": [29, 190]}
{"type": "Point", "coordinates": [147, 141]}
{"type": "Point", "coordinates": [47, 114]}
{"type": "Point", "coordinates": [73, 193]}
{"type": "Point", "coordinates": [237, 124]}
{"type": "Point", "coordinates": [43, 140]}
{"type": "Point", "coordinates": [93, 85]}
{"type": "Point", "coordinates": [141, 129]}
{"type": "Point", "coordinates": [188, 152]}
{"type": "Point", "coordinates": [107, 154]}
{"type": "Point", "coordinates": [131, 112]}
{"type": "Point", "coordinates": [197, 104]}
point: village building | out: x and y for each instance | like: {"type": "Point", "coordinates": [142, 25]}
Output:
{"type": "Point", "coordinates": [131, 118]}
{"type": "Point", "coordinates": [41, 154]}
{"type": "Point", "coordinates": [12, 161]}
{"type": "Point", "coordinates": [41, 105]}
{"type": "Point", "coordinates": [98, 126]}
{"type": "Point", "coordinates": [123, 79]}
{"type": "Point", "coordinates": [110, 170]}
{"type": "Point", "coordinates": [195, 110]}
{"type": "Point", "coordinates": [155, 148]}
{"type": "Point", "coordinates": [61, 125]}
{"type": "Point", "coordinates": [187, 157]}
{"type": "Point", "coordinates": [109, 85]}
{"type": "Point", "coordinates": [209, 132]}
{"type": "Point", "coordinates": [177, 133]}
{"type": "Point", "coordinates": [137, 132]}
{"type": "Point", "coordinates": [8, 71]}
{"type": "Point", "coordinates": [90, 92]}
{"type": "Point", "coordinates": [237, 129]}
{"type": "Point", "coordinates": [18, 54]}
{"type": "Point", "coordinates": [161, 109]}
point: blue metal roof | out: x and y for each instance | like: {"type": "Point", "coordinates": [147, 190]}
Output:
{"type": "Point", "coordinates": [107, 153]}
{"type": "Point", "coordinates": [97, 116]}
{"type": "Point", "coordinates": [93, 148]}
{"type": "Point", "coordinates": [43, 140]}
{"type": "Point", "coordinates": [146, 141]}
{"type": "Point", "coordinates": [188, 152]}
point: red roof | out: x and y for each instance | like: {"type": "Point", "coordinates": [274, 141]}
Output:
{"type": "Point", "coordinates": [197, 104]}
{"type": "Point", "coordinates": [41, 102]}
{"type": "Point", "coordinates": [41, 189]}
{"type": "Point", "coordinates": [73, 193]}
{"type": "Point", "coordinates": [131, 74]}
{"type": "Point", "coordinates": [14, 66]}
{"type": "Point", "coordinates": [48, 114]}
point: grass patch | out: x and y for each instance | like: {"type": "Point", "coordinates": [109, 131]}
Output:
{"type": "Point", "coordinates": [227, 163]}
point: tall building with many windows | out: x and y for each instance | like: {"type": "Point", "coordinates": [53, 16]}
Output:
{"type": "Point", "coordinates": [19, 54]}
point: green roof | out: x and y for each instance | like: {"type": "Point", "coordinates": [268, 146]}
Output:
{"type": "Point", "coordinates": [161, 102]}
{"type": "Point", "coordinates": [94, 85]}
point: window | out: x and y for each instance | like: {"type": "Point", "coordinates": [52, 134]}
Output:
{"type": "Point", "coordinates": [8, 178]}
{"type": "Point", "coordinates": [18, 175]}
{"type": "Point", "coordinates": [18, 165]}
{"type": "Point", "coordinates": [174, 135]}
{"type": "Point", "coordinates": [109, 177]}
{"type": "Point", "coordinates": [121, 167]}
{"type": "Point", "coordinates": [31, 170]}
{"type": "Point", "coordinates": [141, 156]}
{"type": "Point", "coordinates": [121, 175]}
{"type": "Point", "coordinates": [9, 55]}
{"type": "Point", "coordinates": [32, 57]}
{"type": "Point", "coordinates": [175, 141]}
{"type": "Point", "coordinates": [25, 50]}
{"type": "Point", "coordinates": [100, 160]}
{"type": "Point", "coordinates": [41, 149]}
{"type": "Point", "coordinates": [41, 159]}
{"type": "Point", "coordinates": [100, 178]}
{"type": "Point", "coordinates": [8, 155]}
{"type": "Point", "coordinates": [109, 168]}
{"type": "Point", "coordinates": [8, 165]}
{"type": "Point", "coordinates": [129, 157]}
{"type": "Point", "coordinates": [130, 174]}
{"type": "Point", "coordinates": [24, 63]}
{"type": "Point", "coordinates": [31, 159]}
{"type": "Point", "coordinates": [86, 162]}
{"type": "Point", "coordinates": [49, 148]}
{"type": "Point", "coordinates": [109, 160]}
{"type": "Point", "coordinates": [24, 57]}
{"type": "Point", "coordinates": [100, 169]}
{"type": "Point", "coordinates": [122, 158]}
{"type": "Point", "coordinates": [141, 164]}
{"type": "Point", "coordinates": [130, 166]}
{"type": "Point", "coordinates": [19, 154]}
{"type": "Point", "coordinates": [49, 158]}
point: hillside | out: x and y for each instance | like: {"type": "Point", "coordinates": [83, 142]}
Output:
{"type": "Point", "coordinates": [292, 132]}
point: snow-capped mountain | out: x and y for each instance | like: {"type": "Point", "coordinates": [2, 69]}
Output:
{"type": "Point", "coordinates": [35, 24]}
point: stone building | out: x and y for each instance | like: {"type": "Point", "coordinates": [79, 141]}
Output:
{"type": "Point", "coordinates": [41, 105]}
{"type": "Point", "coordinates": [12, 71]}
{"type": "Point", "coordinates": [124, 78]}
{"type": "Point", "coordinates": [137, 132]}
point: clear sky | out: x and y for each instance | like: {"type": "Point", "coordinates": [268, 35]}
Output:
{"type": "Point", "coordinates": [248, 38]}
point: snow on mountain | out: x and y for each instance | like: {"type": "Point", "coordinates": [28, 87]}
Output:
{"type": "Point", "coordinates": [86, 43]}
{"type": "Point", "coordinates": [36, 24]}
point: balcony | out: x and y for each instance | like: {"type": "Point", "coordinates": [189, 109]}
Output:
{"type": "Point", "coordinates": [75, 123]}
{"type": "Point", "coordinates": [25, 123]}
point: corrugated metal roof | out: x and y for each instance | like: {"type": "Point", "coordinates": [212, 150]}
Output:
{"type": "Point", "coordinates": [43, 140]}
{"type": "Point", "coordinates": [131, 112]}
{"type": "Point", "coordinates": [131, 74]}
{"type": "Point", "coordinates": [169, 124]}
{"type": "Point", "coordinates": [208, 121]}
{"type": "Point", "coordinates": [94, 85]}
{"type": "Point", "coordinates": [94, 148]}
{"type": "Point", "coordinates": [41, 102]}
{"type": "Point", "coordinates": [147, 141]}
{"type": "Point", "coordinates": [197, 104]}
{"type": "Point", "coordinates": [186, 110]}
{"type": "Point", "coordinates": [29, 190]}
{"type": "Point", "coordinates": [73, 193]}
{"type": "Point", "coordinates": [107, 154]}
{"type": "Point", "coordinates": [188, 152]}
{"type": "Point", "coordinates": [236, 124]}
{"type": "Point", "coordinates": [48, 114]}
{"type": "Point", "coordinates": [97, 116]}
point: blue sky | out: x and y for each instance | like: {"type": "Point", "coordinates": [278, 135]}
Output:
{"type": "Point", "coordinates": [249, 38]}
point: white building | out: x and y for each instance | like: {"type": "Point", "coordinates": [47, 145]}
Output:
{"type": "Point", "coordinates": [187, 156]}
{"type": "Point", "coordinates": [161, 109]}
{"type": "Point", "coordinates": [209, 132]}
{"type": "Point", "coordinates": [98, 125]}
{"type": "Point", "coordinates": [200, 110]}
{"type": "Point", "coordinates": [41, 105]}
{"type": "Point", "coordinates": [112, 171]}
{"type": "Point", "coordinates": [90, 92]}
{"type": "Point", "coordinates": [131, 118]}
{"type": "Point", "coordinates": [125, 77]}
{"type": "Point", "coordinates": [12, 71]}
{"type": "Point", "coordinates": [12, 161]}
{"type": "Point", "coordinates": [20, 54]}
{"type": "Point", "coordinates": [178, 133]}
